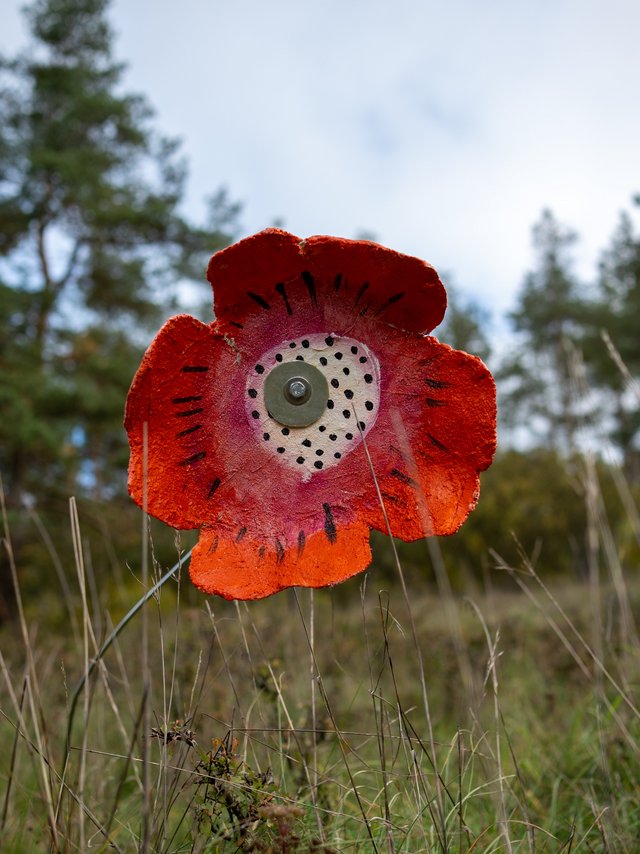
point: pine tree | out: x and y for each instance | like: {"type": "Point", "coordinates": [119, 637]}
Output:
{"type": "Point", "coordinates": [538, 375]}
{"type": "Point", "coordinates": [615, 311]}
{"type": "Point", "coordinates": [92, 244]}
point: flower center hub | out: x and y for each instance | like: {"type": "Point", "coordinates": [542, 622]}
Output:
{"type": "Point", "coordinates": [295, 393]}
{"type": "Point", "coordinates": [310, 401]}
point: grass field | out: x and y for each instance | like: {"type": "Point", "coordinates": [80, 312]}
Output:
{"type": "Point", "coordinates": [356, 719]}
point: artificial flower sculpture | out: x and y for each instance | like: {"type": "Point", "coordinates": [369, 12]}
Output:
{"type": "Point", "coordinates": [314, 408]}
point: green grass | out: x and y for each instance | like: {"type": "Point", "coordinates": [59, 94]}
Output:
{"type": "Point", "coordinates": [352, 719]}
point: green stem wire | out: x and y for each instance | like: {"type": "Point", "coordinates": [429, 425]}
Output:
{"type": "Point", "coordinates": [109, 640]}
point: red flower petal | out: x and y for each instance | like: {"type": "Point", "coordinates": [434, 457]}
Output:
{"type": "Point", "coordinates": [439, 432]}
{"type": "Point", "coordinates": [172, 395]}
{"type": "Point", "coordinates": [250, 569]}
{"type": "Point", "coordinates": [279, 285]}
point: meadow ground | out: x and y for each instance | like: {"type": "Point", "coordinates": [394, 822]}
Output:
{"type": "Point", "coordinates": [370, 717]}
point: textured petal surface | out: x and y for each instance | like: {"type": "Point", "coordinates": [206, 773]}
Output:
{"type": "Point", "coordinates": [438, 433]}
{"type": "Point", "coordinates": [277, 285]}
{"type": "Point", "coordinates": [168, 420]}
{"type": "Point", "coordinates": [250, 569]}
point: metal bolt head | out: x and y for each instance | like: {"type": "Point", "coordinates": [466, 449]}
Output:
{"type": "Point", "coordinates": [298, 390]}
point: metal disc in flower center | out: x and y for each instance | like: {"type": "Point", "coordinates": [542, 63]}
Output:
{"type": "Point", "coordinates": [295, 394]}
{"type": "Point", "coordinates": [351, 375]}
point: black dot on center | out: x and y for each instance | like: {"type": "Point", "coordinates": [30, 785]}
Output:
{"type": "Point", "coordinates": [368, 405]}
{"type": "Point", "coordinates": [330, 404]}
{"type": "Point", "coordinates": [337, 455]}
{"type": "Point", "coordinates": [307, 443]}
{"type": "Point", "coordinates": [280, 450]}
{"type": "Point", "coordinates": [319, 452]}
{"type": "Point", "coordinates": [348, 394]}
{"type": "Point", "coordinates": [335, 383]}
{"type": "Point", "coordinates": [255, 414]}
{"type": "Point", "coordinates": [285, 431]}
{"type": "Point", "coordinates": [368, 378]}
{"type": "Point", "coordinates": [348, 436]}
{"type": "Point", "coordinates": [333, 437]}
{"type": "Point", "coordinates": [318, 464]}
{"type": "Point", "coordinates": [300, 460]}
{"type": "Point", "coordinates": [305, 343]}
{"type": "Point", "coordinates": [278, 357]}
{"type": "Point", "coordinates": [362, 359]}
{"type": "Point", "coordinates": [323, 360]}
{"type": "Point", "coordinates": [322, 428]}
{"type": "Point", "coordinates": [345, 371]}
{"type": "Point", "coordinates": [300, 358]}
{"type": "Point", "coordinates": [346, 413]}
{"type": "Point", "coordinates": [260, 369]}
{"type": "Point", "coordinates": [266, 437]}
{"type": "Point", "coordinates": [328, 341]}
{"type": "Point", "coordinates": [252, 393]}
{"type": "Point", "coordinates": [354, 350]}
{"type": "Point", "coordinates": [338, 356]}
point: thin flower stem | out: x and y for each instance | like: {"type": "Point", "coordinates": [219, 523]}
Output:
{"type": "Point", "coordinates": [414, 632]}
{"type": "Point", "coordinates": [109, 641]}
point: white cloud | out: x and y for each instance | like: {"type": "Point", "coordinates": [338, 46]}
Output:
{"type": "Point", "coordinates": [444, 129]}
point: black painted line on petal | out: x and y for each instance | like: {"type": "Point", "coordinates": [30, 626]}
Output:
{"type": "Point", "coordinates": [302, 540]}
{"type": "Point", "coordinates": [402, 477]}
{"type": "Point", "coordinates": [190, 399]}
{"type": "Point", "coordinates": [194, 369]}
{"type": "Point", "coordinates": [436, 383]}
{"type": "Point", "coordinates": [261, 301]}
{"type": "Point", "coordinates": [188, 412]}
{"type": "Point", "coordinates": [214, 545]}
{"type": "Point", "coordinates": [394, 499]}
{"type": "Point", "coordinates": [337, 282]}
{"type": "Point", "coordinates": [432, 402]}
{"type": "Point", "coordinates": [279, 553]}
{"type": "Point", "coordinates": [437, 444]}
{"type": "Point", "coordinates": [188, 430]}
{"type": "Point", "coordinates": [360, 293]}
{"type": "Point", "coordinates": [309, 281]}
{"type": "Point", "coordinates": [236, 324]}
{"type": "Point", "coordinates": [214, 487]}
{"type": "Point", "coordinates": [329, 524]}
{"type": "Point", "coordinates": [241, 534]}
{"type": "Point", "coordinates": [387, 303]}
{"type": "Point", "coordinates": [261, 552]}
{"type": "Point", "coordinates": [364, 310]}
{"type": "Point", "coordinates": [194, 458]}
{"type": "Point", "coordinates": [280, 288]}
{"type": "Point", "coordinates": [398, 451]}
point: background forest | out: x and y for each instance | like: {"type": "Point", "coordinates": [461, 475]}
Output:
{"type": "Point", "coordinates": [95, 251]}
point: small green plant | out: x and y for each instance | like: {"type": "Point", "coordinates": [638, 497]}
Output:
{"type": "Point", "coordinates": [231, 794]}
{"type": "Point", "coordinates": [238, 805]}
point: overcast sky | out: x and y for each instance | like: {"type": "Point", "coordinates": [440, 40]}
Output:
{"type": "Point", "coordinates": [442, 128]}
